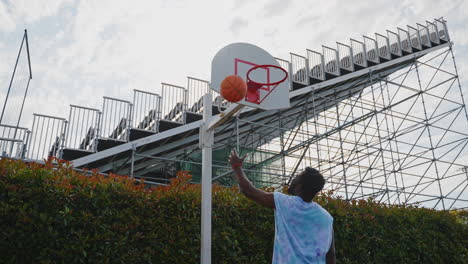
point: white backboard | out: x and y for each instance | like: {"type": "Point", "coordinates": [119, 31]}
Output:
{"type": "Point", "coordinates": [238, 59]}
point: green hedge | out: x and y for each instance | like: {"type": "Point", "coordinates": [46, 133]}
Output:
{"type": "Point", "coordinates": [50, 215]}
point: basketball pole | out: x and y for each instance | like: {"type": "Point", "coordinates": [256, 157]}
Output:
{"type": "Point", "coordinates": [206, 145]}
{"type": "Point", "coordinates": [206, 142]}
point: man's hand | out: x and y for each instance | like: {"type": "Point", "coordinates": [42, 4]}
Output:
{"type": "Point", "coordinates": [234, 159]}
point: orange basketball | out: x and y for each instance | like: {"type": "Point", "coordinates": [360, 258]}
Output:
{"type": "Point", "coordinates": [233, 88]}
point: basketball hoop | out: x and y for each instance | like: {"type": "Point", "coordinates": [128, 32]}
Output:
{"type": "Point", "coordinates": [265, 77]}
{"type": "Point", "coordinates": [253, 87]}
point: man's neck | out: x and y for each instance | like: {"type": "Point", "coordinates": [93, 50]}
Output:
{"type": "Point", "coordinates": [303, 198]}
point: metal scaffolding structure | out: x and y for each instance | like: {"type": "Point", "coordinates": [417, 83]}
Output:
{"type": "Point", "coordinates": [402, 139]}
{"type": "Point", "coordinates": [384, 117]}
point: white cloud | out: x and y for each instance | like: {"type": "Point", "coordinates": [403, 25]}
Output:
{"type": "Point", "coordinates": [31, 11]}
{"type": "Point", "coordinates": [238, 24]}
{"type": "Point", "coordinates": [275, 8]}
{"type": "Point", "coordinates": [6, 22]}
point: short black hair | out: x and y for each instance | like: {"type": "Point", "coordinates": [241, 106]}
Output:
{"type": "Point", "coordinates": [312, 182]}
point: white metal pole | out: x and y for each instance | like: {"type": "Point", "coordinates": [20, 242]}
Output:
{"type": "Point", "coordinates": [206, 144]}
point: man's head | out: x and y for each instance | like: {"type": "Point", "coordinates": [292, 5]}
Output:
{"type": "Point", "coordinates": [307, 184]}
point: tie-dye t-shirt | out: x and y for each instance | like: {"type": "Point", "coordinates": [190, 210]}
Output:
{"type": "Point", "coordinates": [303, 231]}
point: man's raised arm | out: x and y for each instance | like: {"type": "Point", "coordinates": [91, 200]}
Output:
{"type": "Point", "coordinates": [246, 187]}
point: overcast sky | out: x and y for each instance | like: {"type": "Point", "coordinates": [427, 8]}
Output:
{"type": "Point", "coordinates": [83, 50]}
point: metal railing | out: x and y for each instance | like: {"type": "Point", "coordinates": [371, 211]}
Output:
{"type": "Point", "coordinates": [82, 131]}
{"type": "Point", "coordinates": [287, 66]}
{"type": "Point", "coordinates": [330, 60]}
{"type": "Point", "coordinates": [383, 46]}
{"type": "Point", "coordinates": [219, 101]}
{"type": "Point", "coordinates": [299, 69]}
{"type": "Point", "coordinates": [442, 30]}
{"type": "Point", "coordinates": [317, 70]}
{"type": "Point", "coordinates": [404, 40]}
{"type": "Point", "coordinates": [173, 103]}
{"type": "Point", "coordinates": [13, 132]}
{"type": "Point", "coordinates": [433, 32]}
{"type": "Point", "coordinates": [359, 53]}
{"type": "Point", "coordinates": [415, 38]}
{"type": "Point", "coordinates": [371, 49]}
{"type": "Point", "coordinates": [394, 41]}
{"type": "Point", "coordinates": [11, 148]}
{"type": "Point", "coordinates": [47, 137]}
{"type": "Point", "coordinates": [196, 88]}
{"type": "Point", "coordinates": [12, 141]}
{"type": "Point", "coordinates": [115, 119]}
{"type": "Point", "coordinates": [424, 35]}
{"type": "Point", "coordinates": [146, 110]}
{"type": "Point", "coordinates": [346, 56]}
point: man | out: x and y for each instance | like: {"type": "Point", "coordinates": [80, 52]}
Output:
{"type": "Point", "coordinates": [303, 229]}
